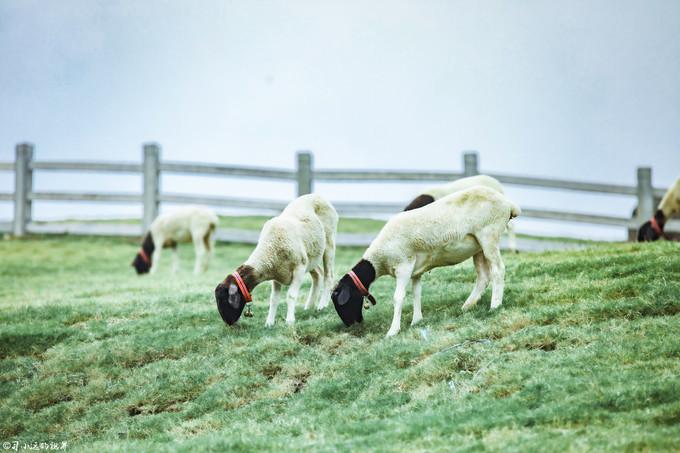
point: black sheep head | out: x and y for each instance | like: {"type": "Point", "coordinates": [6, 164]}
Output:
{"type": "Point", "coordinates": [348, 301]}
{"type": "Point", "coordinates": [230, 300]}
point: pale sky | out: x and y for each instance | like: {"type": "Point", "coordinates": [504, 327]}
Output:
{"type": "Point", "coordinates": [584, 90]}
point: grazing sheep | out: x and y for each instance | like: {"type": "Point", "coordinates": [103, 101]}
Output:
{"type": "Point", "coordinates": [300, 240]}
{"type": "Point", "coordinates": [437, 192]}
{"type": "Point", "coordinates": [465, 224]}
{"type": "Point", "coordinates": [192, 223]}
{"type": "Point", "coordinates": [669, 205]}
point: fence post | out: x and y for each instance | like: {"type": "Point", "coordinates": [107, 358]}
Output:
{"type": "Point", "coordinates": [23, 184]}
{"type": "Point", "coordinates": [305, 176]}
{"type": "Point", "coordinates": [470, 163]}
{"type": "Point", "coordinates": [151, 168]}
{"type": "Point", "coordinates": [645, 194]}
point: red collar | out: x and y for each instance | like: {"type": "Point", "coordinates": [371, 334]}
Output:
{"type": "Point", "coordinates": [242, 286]}
{"type": "Point", "coordinates": [360, 286]}
{"type": "Point", "coordinates": [144, 256]}
{"type": "Point", "coordinates": [655, 226]}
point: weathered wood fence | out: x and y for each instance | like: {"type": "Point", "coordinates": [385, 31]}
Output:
{"type": "Point", "coordinates": [304, 175]}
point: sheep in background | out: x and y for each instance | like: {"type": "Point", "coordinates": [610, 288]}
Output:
{"type": "Point", "coordinates": [435, 193]}
{"type": "Point", "coordinates": [300, 240]}
{"type": "Point", "coordinates": [191, 223]}
{"type": "Point", "coordinates": [669, 205]}
{"type": "Point", "coordinates": [465, 224]}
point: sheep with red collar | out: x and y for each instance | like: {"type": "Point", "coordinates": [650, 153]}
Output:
{"type": "Point", "coordinates": [300, 240]}
{"type": "Point", "coordinates": [435, 193]}
{"type": "Point", "coordinates": [191, 223]}
{"type": "Point", "coordinates": [652, 230]}
{"type": "Point", "coordinates": [465, 224]}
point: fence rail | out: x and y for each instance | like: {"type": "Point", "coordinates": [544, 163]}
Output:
{"type": "Point", "coordinates": [304, 175]}
{"type": "Point", "coordinates": [113, 167]}
{"type": "Point", "coordinates": [372, 176]}
{"type": "Point", "coordinates": [83, 196]}
{"type": "Point", "coordinates": [228, 170]}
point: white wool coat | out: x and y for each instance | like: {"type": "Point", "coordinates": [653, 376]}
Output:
{"type": "Point", "coordinates": [298, 236]}
{"type": "Point", "coordinates": [670, 203]}
{"type": "Point", "coordinates": [441, 233]}
{"type": "Point", "coordinates": [443, 190]}
{"type": "Point", "coordinates": [181, 224]}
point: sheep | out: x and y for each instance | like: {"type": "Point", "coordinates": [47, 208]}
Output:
{"type": "Point", "coordinates": [191, 223]}
{"type": "Point", "coordinates": [465, 224]}
{"type": "Point", "coordinates": [437, 192]}
{"type": "Point", "coordinates": [652, 230]}
{"type": "Point", "coordinates": [300, 240]}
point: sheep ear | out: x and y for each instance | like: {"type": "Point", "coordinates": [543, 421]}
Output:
{"type": "Point", "coordinates": [343, 297]}
{"type": "Point", "coordinates": [234, 296]}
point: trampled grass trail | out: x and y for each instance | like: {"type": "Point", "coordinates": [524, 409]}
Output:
{"type": "Point", "coordinates": [583, 355]}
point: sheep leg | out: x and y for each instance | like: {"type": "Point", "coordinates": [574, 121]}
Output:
{"type": "Point", "coordinates": [274, 298]}
{"type": "Point", "coordinates": [496, 267]}
{"type": "Point", "coordinates": [314, 291]}
{"type": "Point", "coordinates": [199, 251]}
{"type": "Point", "coordinates": [156, 255]}
{"type": "Point", "coordinates": [328, 260]}
{"type": "Point", "coordinates": [417, 291]}
{"type": "Point", "coordinates": [403, 275]}
{"type": "Point", "coordinates": [209, 241]}
{"type": "Point", "coordinates": [512, 237]}
{"type": "Point", "coordinates": [293, 293]}
{"type": "Point", "coordinates": [482, 268]}
{"type": "Point", "coordinates": [175, 260]}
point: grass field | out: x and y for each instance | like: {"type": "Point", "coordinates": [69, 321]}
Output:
{"type": "Point", "coordinates": [583, 355]}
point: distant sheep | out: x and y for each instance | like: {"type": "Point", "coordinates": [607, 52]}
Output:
{"type": "Point", "coordinates": [652, 230]}
{"type": "Point", "coordinates": [192, 223]}
{"type": "Point", "coordinates": [465, 224]}
{"type": "Point", "coordinates": [437, 192]}
{"type": "Point", "coordinates": [300, 240]}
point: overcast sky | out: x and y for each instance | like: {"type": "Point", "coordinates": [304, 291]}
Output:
{"type": "Point", "coordinates": [585, 90]}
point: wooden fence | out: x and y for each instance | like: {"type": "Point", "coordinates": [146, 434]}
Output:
{"type": "Point", "coordinates": [304, 176]}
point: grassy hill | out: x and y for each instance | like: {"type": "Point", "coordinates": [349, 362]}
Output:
{"type": "Point", "coordinates": [583, 354]}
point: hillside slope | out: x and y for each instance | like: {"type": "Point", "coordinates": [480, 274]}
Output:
{"type": "Point", "coordinates": [583, 354]}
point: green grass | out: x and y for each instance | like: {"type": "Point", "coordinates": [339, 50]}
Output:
{"type": "Point", "coordinates": [254, 222]}
{"type": "Point", "coordinates": [583, 355]}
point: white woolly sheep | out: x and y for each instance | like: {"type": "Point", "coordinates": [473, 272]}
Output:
{"type": "Point", "coordinates": [191, 223]}
{"type": "Point", "coordinates": [465, 224]}
{"type": "Point", "coordinates": [300, 240]}
{"type": "Point", "coordinates": [669, 206]}
{"type": "Point", "coordinates": [436, 192]}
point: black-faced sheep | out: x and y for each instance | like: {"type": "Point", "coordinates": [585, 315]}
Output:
{"type": "Point", "coordinates": [300, 240]}
{"type": "Point", "coordinates": [192, 223]}
{"type": "Point", "coordinates": [465, 224]}
{"type": "Point", "coordinates": [435, 193]}
{"type": "Point", "coordinates": [652, 230]}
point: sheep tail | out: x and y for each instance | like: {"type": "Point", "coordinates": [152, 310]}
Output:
{"type": "Point", "coordinates": [515, 210]}
{"type": "Point", "coordinates": [208, 234]}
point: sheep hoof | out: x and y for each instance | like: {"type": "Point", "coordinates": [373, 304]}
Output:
{"type": "Point", "coordinates": [416, 321]}
{"type": "Point", "coordinates": [392, 333]}
{"type": "Point", "coordinates": [269, 323]}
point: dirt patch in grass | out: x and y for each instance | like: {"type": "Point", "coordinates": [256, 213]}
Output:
{"type": "Point", "coordinates": [271, 370]}
{"type": "Point", "coordinates": [299, 381]}
{"type": "Point", "coordinates": [308, 339]}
